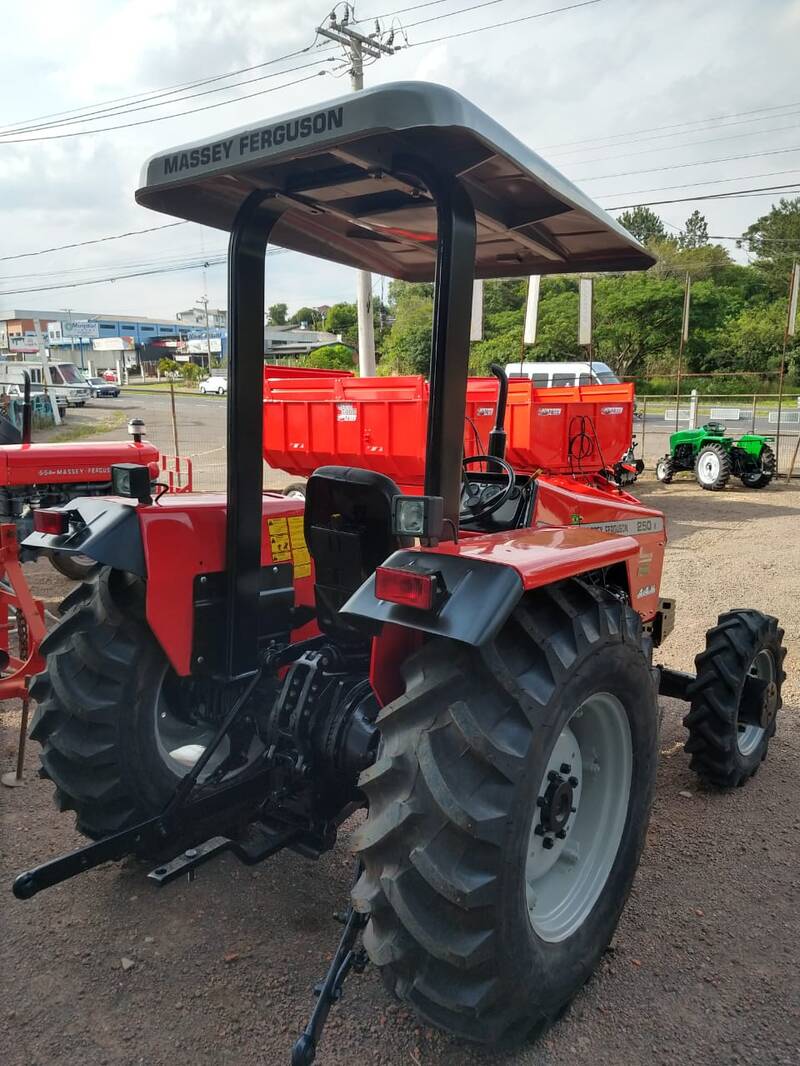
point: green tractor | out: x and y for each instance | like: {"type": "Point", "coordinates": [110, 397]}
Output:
{"type": "Point", "coordinates": [714, 457]}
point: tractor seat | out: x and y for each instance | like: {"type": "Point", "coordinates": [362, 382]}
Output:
{"type": "Point", "coordinates": [348, 527]}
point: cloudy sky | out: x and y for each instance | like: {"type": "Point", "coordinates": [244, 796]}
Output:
{"type": "Point", "coordinates": [635, 100]}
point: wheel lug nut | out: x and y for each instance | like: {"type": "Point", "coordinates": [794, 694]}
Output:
{"type": "Point", "coordinates": [565, 768]}
{"type": "Point", "coordinates": [553, 776]}
{"type": "Point", "coordinates": [547, 843]}
{"type": "Point", "coordinates": [561, 834]}
{"type": "Point", "coordinates": [574, 782]}
{"type": "Point", "coordinates": [540, 801]}
{"type": "Point", "coordinates": [539, 831]}
{"type": "Point", "coordinates": [572, 810]}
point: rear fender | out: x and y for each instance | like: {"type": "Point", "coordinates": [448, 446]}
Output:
{"type": "Point", "coordinates": [107, 530]}
{"type": "Point", "coordinates": [486, 576]}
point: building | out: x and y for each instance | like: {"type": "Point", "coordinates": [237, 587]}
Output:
{"type": "Point", "coordinates": [292, 340]}
{"type": "Point", "coordinates": [20, 329]}
{"type": "Point", "coordinates": [196, 316]}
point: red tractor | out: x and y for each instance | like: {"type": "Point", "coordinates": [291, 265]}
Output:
{"type": "Point", "coordinates": [48, 475]}
{"type": "Point", "coordinates": [472, 662]}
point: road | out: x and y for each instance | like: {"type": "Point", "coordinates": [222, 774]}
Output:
{"type": "Point", "coordinates": [703, 967]}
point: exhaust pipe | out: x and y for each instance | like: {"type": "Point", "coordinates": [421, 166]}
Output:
{"type": "Point", "coordinates": [497, 435]}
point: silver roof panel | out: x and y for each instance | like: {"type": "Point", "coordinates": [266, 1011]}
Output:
{"type": "Point", "coordinates": [336, 173]}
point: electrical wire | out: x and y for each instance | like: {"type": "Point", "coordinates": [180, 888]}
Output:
{"type": "Point", "coordinates": [153, 93]}
{"type": "Point", "coordinates": [676, 125]}
{"type": "Point", "coordinates": [697, 184]}
{"type": "Point", "coordinates": [707, 196]}
{"type": "Point", "coordinates": [163, 118]}
{"type": "Point", "coordinates": [499, 25]}
{"type": "Point", "coordinates": [96, 240]}
{"type": "Point", "coordinates": [682, 166]}
{"type": "Point", "coordinates": [162, 103]}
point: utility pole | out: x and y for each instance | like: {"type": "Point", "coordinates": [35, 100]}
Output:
{"type": "Point", "coordinates": [356, 47]}
{"type": "Point", "coordinates": [204, 301]}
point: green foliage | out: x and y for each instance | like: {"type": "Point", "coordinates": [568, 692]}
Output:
{"type": "Point", "coordinates": [191, 372]}
{"type": "Point", "coordinates": [277, 314]}
{"type": "Point", "coordinates": [695, 233]}
{"type": "Point", "coordinates": [774, 240]}
{"type": "Point", "coordinates": [168, 366]}
{"type": "Point", "coordinates": [643, 223]}
{"type": "Point", "coordinates": [342, 319]}
{"type": "Point", "coordinates": [309, 315]}
{"type": "Point", "coordinates": [331, 357]}
{"type": "Point", "coordinates": [407, 349]}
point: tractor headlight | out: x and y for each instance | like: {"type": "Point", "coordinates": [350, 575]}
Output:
{"type": "Point", "coordinates": [417, 516]}
{"type": "Point", "coordinates": [131, 480]}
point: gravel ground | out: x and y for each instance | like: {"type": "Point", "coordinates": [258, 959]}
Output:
{"type": "Point", "coordinates": [703, 968]}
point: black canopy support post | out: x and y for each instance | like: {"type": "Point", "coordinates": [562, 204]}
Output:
{"type": "Point", "coordinates": [452, 303]}
{"type": "Point", "coordinates": [246, 252]}
{"type": "Point", "coordinates": [26, 408]}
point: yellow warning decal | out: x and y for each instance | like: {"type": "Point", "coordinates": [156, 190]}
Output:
{"type": "Point", "coordinates": [302, 560]}
{"type": "Point", "coordinates": [288, 544]}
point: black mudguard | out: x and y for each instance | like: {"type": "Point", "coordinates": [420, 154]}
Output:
{"type": "Point", "coordinates": [108, 531]}
{"type": "Point", "coordinates": [480, 598]}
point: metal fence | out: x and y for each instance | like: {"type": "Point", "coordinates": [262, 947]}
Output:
{"type": "Point", "coordinates": [198, 430]}
{"type": "Point", "coordinates": [657, 417]}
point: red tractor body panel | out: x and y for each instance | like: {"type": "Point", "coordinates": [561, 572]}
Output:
{"type": "Point", "coordinates": [86, 461]}
{"type": "Point", "coordinates": [185, 536]}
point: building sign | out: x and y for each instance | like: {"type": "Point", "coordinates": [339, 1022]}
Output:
{"type": "Point", "coordinates": [114, 344]}
{"type": "Point", "coordinates": [80, 327]}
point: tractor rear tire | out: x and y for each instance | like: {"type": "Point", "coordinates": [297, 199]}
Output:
{"type": "Point", "coordinates": [96, 717]}
{"type": "Point", "coordinates": [75, 567]}
{"type": "Point", "coordinates": [453, 851]}
{"type": "Point", "coordinates": [712, 467]}
{"type": "Point", "coordinates": [761, 478]}
{"type": "Point", "coordinates": [665, 469]}
{"type": "Point", "coordinates": [731, 718]}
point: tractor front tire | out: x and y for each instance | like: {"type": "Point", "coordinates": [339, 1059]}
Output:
{"type": "Point", "coordinates": [507, 813]}
{"type": "Point", "coordinates": [735, 697]}
{"type": "Point", "coordinates": [712, 467]}
{"type": "Point", "coordinates": [97, 705]}
{"type": "Point", "coordinates": [665, 469]}
{"type": "Point", "coordinates": [759, 479]}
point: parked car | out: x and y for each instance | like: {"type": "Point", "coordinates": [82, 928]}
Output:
{"type": "Point", "coordinates": [109, 375]}
{"type": "Point", "coordinates": [101, 387]}
{"type": "Point", "coordinates": [216, 384]}
{"type": "Point", "coordinates": [16, 392]}
{"type": "Point", "coordinates": [549, 375]}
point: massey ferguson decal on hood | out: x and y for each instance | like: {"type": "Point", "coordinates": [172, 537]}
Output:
{"type": "Point", "coordinates": [249, 142]}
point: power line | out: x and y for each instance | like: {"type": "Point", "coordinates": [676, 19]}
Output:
{"type": "Point", "coordinates": [677, 147]}
{"type": "Point", "coordinates": [114, 113]}
{"type": "Point", "coordinates": [96, 240]}
{"type": "Point", "coordinates": [688, 122]}
{"type": "Point", "coordinates": [707, 196]}
{"type": "Point", "coordinates": [498, 25]}
{"type": "Point", "coordinates": [151, 93]}
{"type": "Point", "coordinates": [163, 118]}
{"type": "Point", "coordinates": [714, 181]}
{"type": "Point", "coordinates": [682, 166]}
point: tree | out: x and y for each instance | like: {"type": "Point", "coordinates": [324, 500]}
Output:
{"type": "Point", "coordinates": [277, 314]}
{"type": "Point", "coordinates": [695, 233]}
{"type": "Point", "coordinates": [342, 319]}
{"type": "Point", "coordinates": [168, 366]}
{"type": "Point", "coordinates": [407, 349]}
{"type": "Point", "coordinates": [774, 240]}
{"type": "Point", "coordinates": [191, 372]}
{"type": "Point", "coordinates": [331, 357]}
{"type": "Point", "coordinates": [309, 315]}
{"type": "Point", "coordinates": [643, 223]}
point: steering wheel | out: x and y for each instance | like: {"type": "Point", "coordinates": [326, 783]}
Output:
{"type": "Point", "coordinates": [484, 500]}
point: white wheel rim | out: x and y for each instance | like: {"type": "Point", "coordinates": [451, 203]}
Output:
{"type": "Point", "coordinates": [708, 467]}
{"type": "Point", "coordinates": [565, 878]}
{"type": "Point", "coordinates": [661, 471]}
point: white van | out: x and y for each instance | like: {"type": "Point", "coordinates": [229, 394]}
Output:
{"type": "Point", "coordinates": [17, 392]}
{"type": "Point", "coordinates": [548, 375]}
{"type": "Point", "coordinates": [65, 377]}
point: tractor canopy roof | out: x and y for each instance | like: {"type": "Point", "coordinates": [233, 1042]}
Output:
{"type": "Point", "coordinates": [337, 174]}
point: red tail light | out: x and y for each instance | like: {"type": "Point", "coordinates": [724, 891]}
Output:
{"type": "Point", "coordinates": [53, 522]}
{"type": "Point", "coordinates": [406, 587]}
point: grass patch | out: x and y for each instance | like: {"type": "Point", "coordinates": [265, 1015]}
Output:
{"type": "Point", "coordinates": [89, 429]}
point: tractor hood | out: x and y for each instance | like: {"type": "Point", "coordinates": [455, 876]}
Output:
{"type": "Point", "coordinates": [336, 173]}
